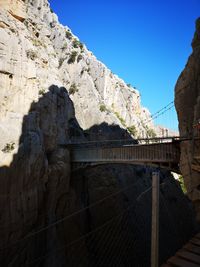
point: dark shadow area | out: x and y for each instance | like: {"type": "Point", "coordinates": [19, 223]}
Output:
{"type": "Point", "coordinates": [104, 132]}
{"type": "Point", "coordinates": [100, 216]}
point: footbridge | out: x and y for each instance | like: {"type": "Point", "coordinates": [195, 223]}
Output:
{"type": "Point", "coordinates": [157, 152]}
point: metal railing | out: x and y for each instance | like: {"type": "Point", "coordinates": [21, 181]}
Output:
{"type": "Point", "coordinates": [123, 142]}
{"type": "Point", "coordinates": [158, 153]}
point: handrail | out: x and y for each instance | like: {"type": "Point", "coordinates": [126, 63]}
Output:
{"type": "Point", "coordinates": [166, 154]}
{"type": "Point", "coordinates": [127, 141]}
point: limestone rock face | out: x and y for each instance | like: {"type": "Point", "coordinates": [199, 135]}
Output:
{"type": "Point", "coordinates": [50, 87]}
{"type": "Point", "coordinates": [39, 52]}
{"type": "Point", "coordinates": [32, 188]}
{"type": "Point", "coordinates": [187, 100]}
{"type": "Point", "coordinates": [17, 8]}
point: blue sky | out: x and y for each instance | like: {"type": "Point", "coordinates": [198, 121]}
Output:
{"type": "Point", "coordinates": [144, 42]}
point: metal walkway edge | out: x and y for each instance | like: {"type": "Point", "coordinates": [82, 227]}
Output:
{"type": "Point", "coordinates": [188, 256]}
{"type": "Point", "coordinates": [166, 155]}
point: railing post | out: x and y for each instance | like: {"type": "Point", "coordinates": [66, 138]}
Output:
{"type": "Point", "coordinates": [155, 220]}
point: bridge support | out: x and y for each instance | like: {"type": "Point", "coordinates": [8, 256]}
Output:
{"type": "Point", "coordinates": [155, 220]}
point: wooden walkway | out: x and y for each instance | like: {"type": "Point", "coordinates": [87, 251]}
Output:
{"type": "Point", "coordinates": [165, 155]}
{"type": "Point", "coordinates": [188, 256]}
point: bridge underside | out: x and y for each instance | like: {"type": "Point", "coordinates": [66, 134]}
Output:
{"type": "Point", "coordinates": [171, 166]}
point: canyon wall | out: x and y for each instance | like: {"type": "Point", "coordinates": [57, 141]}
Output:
{"type": "Point", "coordinates": [39, 52]}
{"type": "Point", "coordinates": [187, 101]}
{"type": "Point", "coordinates": [16, 8]}
{"type": "Point", "coordinates": [52, 91]}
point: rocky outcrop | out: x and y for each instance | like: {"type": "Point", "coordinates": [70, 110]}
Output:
{"type": "Point", "coordinates": [34, 189]}
{"type": "Point", "coordinates": [17, 8]}
{"type": "Point", "coordinates": [187, 101]}
{"type": "Point", "coordinates": [39, 52]}
{"type": "Point", "coordinates": [47, 216]}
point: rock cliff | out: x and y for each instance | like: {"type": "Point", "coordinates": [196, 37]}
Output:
{"type": "Point", "coordinates": [49, 217]}
{"type": "Point", "coordinates": [16, 8]}
{"type": "Point", "coordinates": [39, 52]}
{"type": "Point", "coordinates": [187, 101]}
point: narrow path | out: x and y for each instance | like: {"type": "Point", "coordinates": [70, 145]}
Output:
{"type": "Point", "coordinates": [163, 154]}
{"type": "Point", "coordinates": [188, 256]}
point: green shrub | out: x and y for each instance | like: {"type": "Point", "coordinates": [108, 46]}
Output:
{"type": "Point", "coordinates": [132, 130]}
{"type": "Point", "coordinates": [31, 54]}
{"type": "Point", "coordinates": [121, 119]}
{"type": "Point", "coordinates": [150, 132]}
{"type": "Point", "coordinates": [41, 91]}
{"type": "Point", "coordinates": [64, 46]}
{"type": "Point", "coordinates": [60, 62]}
{"type": "Point", "coordinates": [103, 108]}
{"type": "Point", "coordinates": [72, 57]}
{"type": "Point", "coordinates": [181, 181]}
{"type": "Point", "coordinates": [68, 35]}
{"type": "Point", "coordinates": [73, 89]}
{"type": "Point", "coordinates": [8, 147]}
{"type": "Point", "coordinates": [76, 44]}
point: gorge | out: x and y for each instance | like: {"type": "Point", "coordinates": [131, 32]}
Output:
{"type": "Point", "coordinates": [52, 91]}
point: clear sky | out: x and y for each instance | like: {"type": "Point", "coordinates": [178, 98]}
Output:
{"type": "Point", "coordinates": [146, 43]}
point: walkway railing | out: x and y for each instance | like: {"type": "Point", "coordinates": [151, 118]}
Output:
{"type": "Point", "coordinates": [116, 142]}
{"type": "Point", "coordinates": [151, 152]}
{"type": "Point", "coordinates": [148, 154]}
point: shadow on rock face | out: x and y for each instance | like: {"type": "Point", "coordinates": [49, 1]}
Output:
{"type": "Point", "coordinates": [120, 221]}
{"type": "Point", "coordinates": [34, 190]}
{"type": "Point", "coordinates": [105, 131]}
{"type": "Point", "coordinates": [98, 217]}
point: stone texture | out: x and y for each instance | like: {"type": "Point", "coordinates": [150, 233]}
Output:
{"type": "Point", "coordinates": [38, 62]}
{"type": "Point", "coordinates": [17, 8]}
{"type": "Point", "coordinates": [37, 53]}
{"type": "Point", "coordinates": [187, 101]}
{"type": "Point", "coordinates": [32, 188]}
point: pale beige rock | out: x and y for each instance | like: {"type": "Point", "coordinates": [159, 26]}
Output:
{"type": "Point", "coordinates": [35, 54]}
{"type": "Point", "coordinates": [35, 117]}
{"type": "Point", "coordinates": [16, 7]}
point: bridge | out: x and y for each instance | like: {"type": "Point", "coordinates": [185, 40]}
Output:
{"type": "Point", "coordinates": [163, 152]}
{"type": "Point", "coordinates": [156, 152]}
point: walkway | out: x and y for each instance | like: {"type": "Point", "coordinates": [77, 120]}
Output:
{"type": "Point", "coordinates": [161, 153]}
{"type": "Point", "coordinates": [188, 256]}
